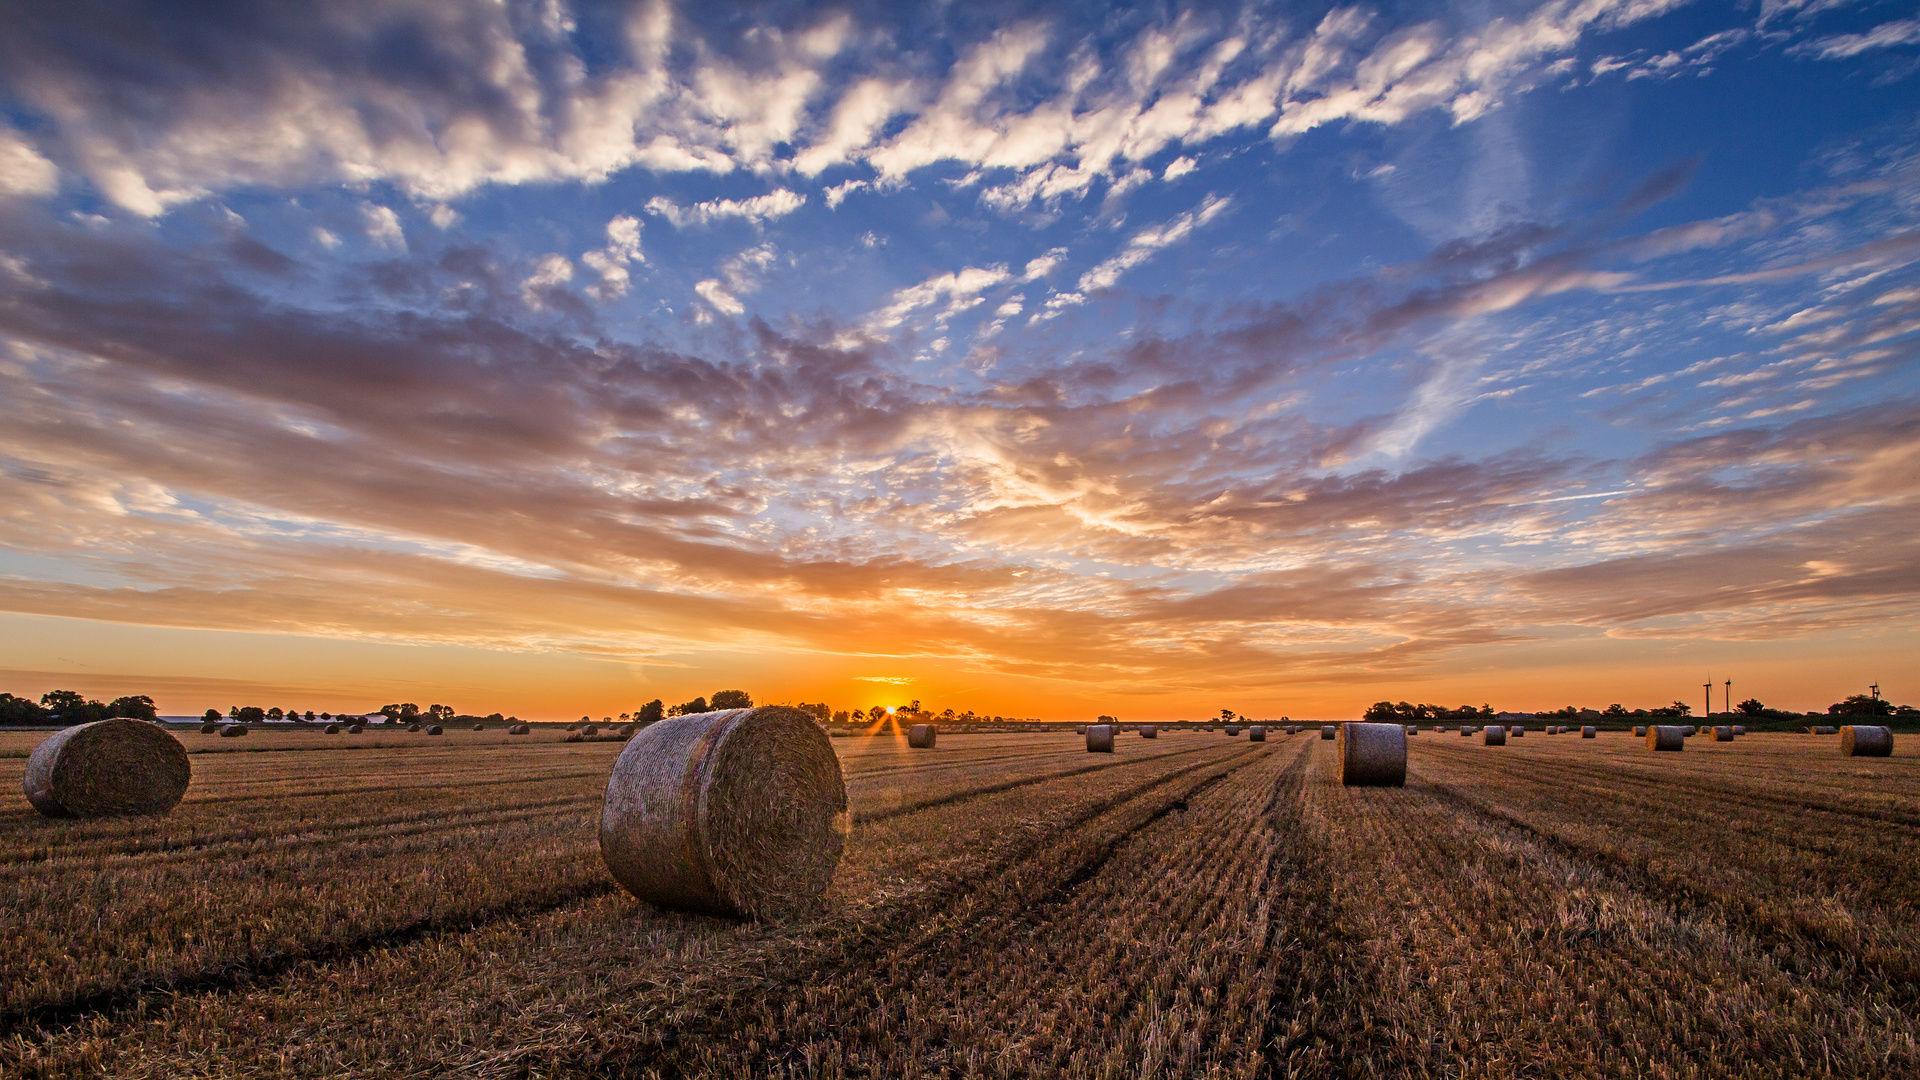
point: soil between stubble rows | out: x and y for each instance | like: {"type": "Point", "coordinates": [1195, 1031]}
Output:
{"type": "Point", "coordinates": [1009, 906]}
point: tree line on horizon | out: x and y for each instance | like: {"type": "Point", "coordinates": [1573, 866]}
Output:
{"type": "Point", "coordinates": [1752, 708]}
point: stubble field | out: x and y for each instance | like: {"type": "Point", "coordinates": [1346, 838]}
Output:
{"type": "Point", "coordinates": [1009, 906]}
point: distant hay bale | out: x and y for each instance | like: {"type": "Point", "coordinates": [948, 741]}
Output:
{"type": "Point", "coordinates": [333, 729]}
{"type": "Point", "coordinates": [106, 768]}
{"type": "Point", "coordinates": [1589, 732]}
{"type": "Point", "coordinates": [590, 730]}
{"type": "Point", "coordinates": [1739, 729]}
{"type": "Point", "coordinates": [413, 727]}
{"type": "Point", "coordinates": [1233, 730]}
{"type": "Point", "coordinates": [740, 813]}
{"type": "Point", "coordinates": [434, 730]}
{"type": "Point", "coordinates": [629, 731]}
{"type": "Point", "coordinates": [922, 736]}
{"type": "Point", "coordinates": [519, 729]}
{"type": "Point", "coordinates": [1859, 740]}
{"type": "Point", "coordinates": [1257, 733]}
{"type": "Point", "coordinates": [355, 729]}
{"type": "Point", "coordinates": [1372, 755]}
{"type": "Point", "coordinates": [1466, 730]}
{"type": "Point", "coordinates": [1329, 732]}
{"type": "Point", "coordinates": [1099, 739]}
{"type": "Point", "coordinates": [1517, 731]}
{"type": "Point", "coordinates": [1692, 730]}
{"type": "Point", "coordinates": [1413, 729]}
{"type": "Point", "coordinates": [1148, 731]}
{"type": "Point", "coordinates": [1439, 729]}
{"type": "Point", "coordinates": [1081, 730]}
{"type": "Point", "coordinates": [232, 731]}
{"type": "Point", "coordinates": [479, 727]}
{"type": "Point", "coordinates": [1496, 735]}
{"type": "Point", "coordinates": [1666, 737]}
{"type": "Point", "coordinates": [1722, 733]}
{"type": "Point", "coordinates": [1640, 731]}
{"type": "Point", "coordinates": [209, 727]}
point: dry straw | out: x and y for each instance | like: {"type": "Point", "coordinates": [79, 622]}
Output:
{"type": "Point", "coordinates": [1257, 733]}
{"type": "Point", "coordinates": [1496, 735]}
{"type": "Point", "coordinates": [105, 768]}
{"type": "Point", "coordinates": [740, 813]}
{"type": "Point", "coordinates": [1666, 737]}
{"type": "Point", "coordinates": [233, 731]}
{"type": "Point", "coordinates": [1148, 731]}
{"type": "Point", "coordinates": [1589, 732]}
{"type": "Point", "coordinates": [1860, 740]}
{"type": "Point", "coordinates": [1372, 755]}
{"type": "Point", "coordinates": [921, 736]}
{"type": "Point", "coordinates": [1099, 739]}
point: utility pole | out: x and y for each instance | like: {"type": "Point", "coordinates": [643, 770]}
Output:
{"type": "Point", "coordinates": [1728, 700]}
{"type": "Point", "coordinates": [1708, 686]}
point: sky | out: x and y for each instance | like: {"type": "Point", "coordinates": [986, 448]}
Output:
{"type": "Point", "coordinates": [1030, 359]}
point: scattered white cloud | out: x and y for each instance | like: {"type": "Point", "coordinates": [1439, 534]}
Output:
{"type": "Point", "coordinates": [960, 289]}
{"type": "Point", "coordinates": [443, 216]}
{"type": "Point", "coordinates": [1885, 36]}
{"type": "Point", "coordinates": [382, 226]}
{"type": "Point", "coordinates": [758, 209]}
{"type": "Point", "coordinates": [325, 238]}
{"type": "Point", "coordinates": [716, 294]}
{"type": "Point", "coordinates": [551, 272]}
{"type": "Point", "coordinates": [1041, 265]}
{"type": "Point", "coordinates": [1146, 242]}
{"type": "Point", "coordinates": [1178, 168]}
{"type": "Point", "coordinates": [610, 262]}
{"type": "Point", "coordinates": [23, 172]}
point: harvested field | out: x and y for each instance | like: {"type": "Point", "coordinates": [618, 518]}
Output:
{"type": "Point", "coordinates": [1008, 905]}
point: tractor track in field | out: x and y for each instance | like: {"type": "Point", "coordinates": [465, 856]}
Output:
{"type": "Point", "coordinates": [1737, 912]}
{"type": "Point", "coordinates": [868, 817]}
{"type": "Point", "coordinates": [928, 924]}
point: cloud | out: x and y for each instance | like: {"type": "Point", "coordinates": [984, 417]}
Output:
{"type": "Point", "coordinates": [1143, 244]}
{"type": "Point", "coordinates": [717, 295]}
{"type": "Point", "coordinates": [382, 226]}
{"type": "Point", "coordinates": [23, 172]}
{"type": "Point", "coordinates": [1887, 35]}
{"type": "Point", "coordinates": [623, 248]}
{"type": "Point", "coordinates": [758, 209]}
{"type": "Point", "coordinates": [961, 289]}
{"type": "Point", "coordinates": [552, 272]}
{"type": "Point", "coordinates": [1178, 168]}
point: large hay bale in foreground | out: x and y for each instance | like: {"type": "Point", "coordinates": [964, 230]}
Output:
{"type": "Point", "coordinates": [1148, 731]}
{"type": "Point", "coordinates": [1099, 739]}
{"type": "Point", "coordinates": [1723, 733]}
{"type": "Point", "coordinates": [1496, 735]}
{"type": "Point", "coordinates": [740, 812]}
{"type": "Point", "coordinates": [1257, 733]}
{"type": "Point", "coordinates": [1589, 732]}
{"type": "Point", "coordinates": [105, 768]}
{"type": "Point", "coordinates": [1329, 732]}
{"type": "Point", "coordinates": [1861, 740]}
{"type": "Point", "coordinates": [922, 736]}
{"type": "Point", "coordinates": [1666, 737]}
{"type": "Point", "coordinates": [232, 731]}
{"type": "Point", "coordinates": [1372, 755]}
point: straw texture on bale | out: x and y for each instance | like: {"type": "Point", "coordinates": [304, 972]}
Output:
{"type": "Point", "coordinates": [1099, 739]}
{"type": "Point", "coordinates": [1666, 737]}
{"type": "Point", "coordinates": [1148, 731]}
{"type": "Point", "coordinates": [1722, 733]}
{"type": "Point", "coordinates": [1640, 731]}
{"type": "Point", "coordinates": [1589, 732]}
{"type": "Point", "coordinates": [921, 736]}
{"type": "Point", "coordinates": [333, 729]}
{"type": "Point", "coordinates": [1496, 735]}
{"type": "Point", "coordinates": [1257, 733]}
{"type": "Point", "coordinates": [434, 730]}
{"type": "Point", "coordinates": [740, 813]}
{"type": "Point", "coordinates": [1329, 732]}
{"type": "Point", "coordinates": [1860, 740]}
{"type": "Point", "coordinates": [105, 768]}
{"type": "Point", "coordinates": [233, 731]}
{"type": "Point", "coordinates": [1372, 755]}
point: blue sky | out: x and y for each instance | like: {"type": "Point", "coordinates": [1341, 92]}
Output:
{"type": "Point", "coordinates": [1280, 354]}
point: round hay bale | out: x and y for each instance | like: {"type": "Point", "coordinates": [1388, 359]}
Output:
{"type": "Point", "coordinates": [740, 813]}
{"type": "Point", "coordinates": [209, 728]}
{"type": "Point", "coordinates": [1465, 730]}
{"type": "Point", "coordinates": [1233, 731]}
{"type": "Point", "coordinates": [479, 727]}
{"type": "Point", "coordinates": [355, 729]}
{"type": "Point", "coordinates": [1589, 732]}
{"type": "Point", "coordinates": [1640, 731]}
{"type": "Point", "coordinates": [1517, 731]}
{"type": "Point", "coordinates": [1496, 735]}
{"type": "Point", "coordinates": [590, 729]}
{"type": "Point", "coordinates": [1723, 733]}
{"type": "Point", "coordinates": [1739, 729]}
{"type": "Point", "coordinates": [1372, 755]}
{"type": "Point", "coordinates": [434, 729]}
{"type": "Point", "coordinates": [1099, 739]}
{"type": "Point", "coordinates": [333, 729]}
{"type": "Point", "coordinates": [105, 768]}
{"type": "Point", "coordinates": [1413, 729]}
{"type": "Point", "coordinates": [1148, 731]}
{"type": "Point", "coordinates": [1439, 729]}
{"type": "Point", "coordinates": [232, 731]}
{"type": "Point", "coordinates": [1257, 733]}
{"type": "Point", "coordinates": [1329, 732]}
{"type": "Point", "coordinates": [1692, 730]}
{"type": "Point", "coordinates": [518, 729]}
{"type": "Point", "coordinates": [413, 727]}
{"type": "Point", "coordinates": [1856, 740]}
{"type": "Point", "coordinates": [1081, 730]}
{"type": "Point", "coordinates": [1666, 737]}
{"type": "Point", "coordinates": [922, 736]}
